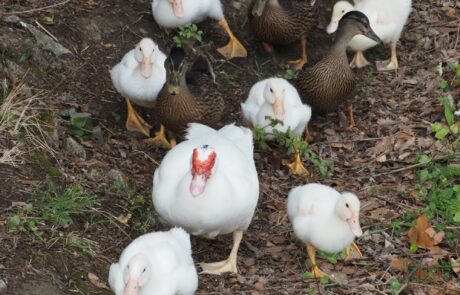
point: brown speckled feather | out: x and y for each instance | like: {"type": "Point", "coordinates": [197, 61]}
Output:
{"type": "Point", "coordinates": [327, 85]}
{"type": "Point", "coordinates": [198, 101]}
{"type": "Point", "coordinates": [285, 22]}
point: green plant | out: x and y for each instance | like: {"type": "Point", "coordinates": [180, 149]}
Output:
{"type": "Point", "coordinates": [80, 125]}
{"type": "Point", "coordinates": [52, 208]}
{"type": "Point", "coordinates": [332, 257]}
{"type": "Point", "coordinates": [293, 144]}
{"type": "Point", "coordinates": [188, 35]}
{"type": "Point", "coordinates": [290, 74]}
{"type": "Point", "coordinates": [366, 81]}
{"type": "Point", "coordinates": [395, 286]}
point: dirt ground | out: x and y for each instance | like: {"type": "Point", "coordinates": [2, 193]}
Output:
{"type": "Point", "coordinates": [393, 111]}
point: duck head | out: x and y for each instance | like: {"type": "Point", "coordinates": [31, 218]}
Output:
{"type": "Point", "coordinates": [177, 69]}
{"type": "Point", "coordinates": [203, 162]}
{"type": "Point", "coordinates": [178, 8]}
{"type": "Point", "coordinates": [274, 93]}
{"type": "Point", "coordinates": [136, 274]}
{"type": "Point", "coordinates": [355, 23]}
{"type": "Point", "coordinates": [145, 54]}
{"type": "Point", "coordinates": [339, 10]}
{"type": "Point", "coordinates": [347, 209]}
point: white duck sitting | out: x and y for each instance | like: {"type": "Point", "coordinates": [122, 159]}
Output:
{"type": "Point", "coordinates": [156, 263]}
{"type": "Point", "coordinates": [276, 98]}
{"type": "Point", "coordinates": [172, 14]}
{"type": "Point", "coordinates": [387, 18]}
{"type": "Point", "coordinates": [325, 219]}
{"type": "Point", "coordinates": [139, 77]}
{"type": "Point", "coordinates": [208, 185]}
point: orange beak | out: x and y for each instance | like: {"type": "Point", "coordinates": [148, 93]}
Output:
{"type": "Point", "coordinates": [146, 67]}
{"type": "Point", "coordinates": [278, 109]}
{"type": "Point", "coordinates": [353, 223]}
{"type": "Point", "coordinates": [178, 9]}
{"type": "Point", "coordinates": [132, 287]}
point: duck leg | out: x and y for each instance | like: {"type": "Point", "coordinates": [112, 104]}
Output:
{"type": "Point", "coordinates": [161, 140]}
{"type": "Point", "coordinates": [317, 273]}
{"type": "Point", "coordinates": [298, 64]}
{"type": "Point", "coordinates": [134, 122]}
{"type": "Point", "coordinates": [351, 119]}
{"type": "Point", "coordinates": [297, 168]}
{"type": "Point", "coordinates": [228, 265]}
{"type": "Point", "coordinates": [234, 48]}
{"type": "Point", "coordinates": [353, 248]}
{"type": "Point", "coordinates": [308, 137]}
{"type": "Point", "coordinates": [392, 63]}
{"type": "Point", "coordinates": [359, 61]}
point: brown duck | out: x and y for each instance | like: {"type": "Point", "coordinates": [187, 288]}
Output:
{"type": "Point", "coordinates": [331, 83]}
{"type": "Point", "coordinates": [189, 96]}
{"type": "Point", "coordinates": [283, 22]}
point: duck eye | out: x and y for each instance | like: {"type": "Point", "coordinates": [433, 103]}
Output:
{"type": "Point", "coordinates": [343, 11]}
{"type": "Point", "coordinates": [140, 49]}
{"type": "Point", "coordinates": [346, 205]}
{"type": "Point", "coordinates": [271, 90]}
{"type": "Point", "coordinates": [143, 270]}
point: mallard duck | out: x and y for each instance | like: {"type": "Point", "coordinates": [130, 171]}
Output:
{"type": "Point", "coordinates": [188, 96]}
{"type": "Point", "coordinates": [331, 82]}
{"type": "Point", "coordinates": [139, 77]}
{"type": "Point", "coordinates": [325, 219]}
{"type": "Point", "coordinates": [276, 98]}
{"type": "Point", "coordinates": [283, 22]}
{"type": "Point", "coordinates": [387, 19]}
{"type": "Point", "coordinates": [208, 185]}
{"type": "Point", "coordinates": [156, 263]}
{"type": "Point", "coordinates": [172, 14]}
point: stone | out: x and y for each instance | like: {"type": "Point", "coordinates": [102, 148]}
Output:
{"type": "Point", "coordinates": [11, 19]}
{"type": "Point", "coordinates": [118, 176]}
{"type": "Point", "coordinates": [3, 287]}
{"type": "Point", "coordinates": [76, 149]}
{"type": "Point", "coordinates": [46, 42]}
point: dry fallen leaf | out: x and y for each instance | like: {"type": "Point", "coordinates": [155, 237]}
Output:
{"type": "Point", "coordinates": [384, 146]}
{"type": "Point", "coordinates": [124, 218]}
{"type": "Point", "coordinates": [455, 264]}
{"type": "Point", "coordinates": [424, 236]}
{"type": "Point", "coordinates": [400, 264]}
{"type": "Point", "coordinates": [96, 281]}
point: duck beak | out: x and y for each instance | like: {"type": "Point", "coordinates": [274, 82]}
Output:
{"type": "Point", "coordinates": [146, 67]}
{"type": "Point", "coordinates": [198, 185]}
{"type": "Point", "coordinates": [332, 27]}
{"type": "Point", "coordinates": [353, 223]}
{"type": "Point", "coordinates": [371, 34]}
{"type": "Point", "coordinates": [178, 9]}
{"type": "Point", "coordinates": [132, 287]}
{"type": "Point", "coordinates": [278, 108]}
{"type": "Point", "coordinates": [259, 7]}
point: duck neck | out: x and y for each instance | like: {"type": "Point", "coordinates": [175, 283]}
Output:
{"type": "Point", "coordinates": [343, 37]}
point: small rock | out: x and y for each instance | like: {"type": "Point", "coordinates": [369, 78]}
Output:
{"type": "Point", "coordinates": [11, 19]}
{"type": "Point", "coordinates": [75, 148]}
{"type": "Point", "coordinates": [118, 176]}
{"type": "Point", "coordinates": [2, 287]}
{"type": "Point", "coordinates": [46, 42]}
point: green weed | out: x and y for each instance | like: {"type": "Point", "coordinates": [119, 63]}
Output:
{"type": "Point", "coordinates": [366, 81]}
{"type": "Point", "coordinates": [188, 35]}
{"type": "Point", "coordinates": [332, 257]}
{"type": "Point", "coordinates": [80, 125]}
{"type": "Point", "coordinates": [290, 74]}
{"type": "Point", "coordinates": [395, 286]}
{"type": "Point", "coordinates": [294, 145]}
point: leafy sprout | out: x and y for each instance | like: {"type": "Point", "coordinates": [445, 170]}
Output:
{"type": "Point", "coordinates": [188, 35]}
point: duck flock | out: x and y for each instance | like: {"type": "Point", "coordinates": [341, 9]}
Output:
{"type": "Point", "coordinates": [207, 185]}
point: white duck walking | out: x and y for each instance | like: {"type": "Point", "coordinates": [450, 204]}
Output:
{"type": "Point", "coordinates": [325, 219]}
{"type": "Point", "coordinates": [387, 18]}
{"type": "Point", "coordinates": [208, 185]}
{"type": "Point", "coordinates": [139, 78]}
{"type": "Point", "coordinates": [156, 263]}
{"type": "Point", "coordinates": [172, 14]}
{"type": "Point", "coordinates": [276, 98]}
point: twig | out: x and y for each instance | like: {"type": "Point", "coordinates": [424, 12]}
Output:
{"type": "Point", "coordinates": [413, 166]}
{"type": "Point", "coordinates": [46, 31]}
{"type": "Point", "coordinates": [36, 9]}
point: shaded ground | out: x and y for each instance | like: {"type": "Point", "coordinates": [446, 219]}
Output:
{"type": "Point", "coordinates": [393, 112]}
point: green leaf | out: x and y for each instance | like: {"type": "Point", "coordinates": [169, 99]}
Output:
{"type": "Point", "coordinates": [448, 111]}
{"type": "Point", "coordinates": [395, 285]}
{"type": "Point", "coordinates": [14, 222]}
{"type": "Point", "coordinates": [413, 248]}
{"type": "Point", "coordinates": [424, 175]}
{"type": "Point", "coordinates": [307, 275]}
{"type": "Point", "coordinates": [324, 280]}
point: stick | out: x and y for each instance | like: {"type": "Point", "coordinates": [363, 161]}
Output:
{"type": "Point", "coordinates": [35, 9]}
{"type": "Point", "coordinates": [46, 31]}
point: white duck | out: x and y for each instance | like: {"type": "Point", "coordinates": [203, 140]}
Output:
{"type": "Point", "coordinates": [387, 18]}
{"type": "Point", "coordinates": [323, 218]}
{"type": "Point", "coordinates": [208, 185]}
{"type": "Point", "coordinates": [156, 263]}
{"type": "Point", "coordinates": [172, 14]}
{"type": "Point", "coordinates": [278, 99]}
{"type": "Point", "coordinates": [139, 77]}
